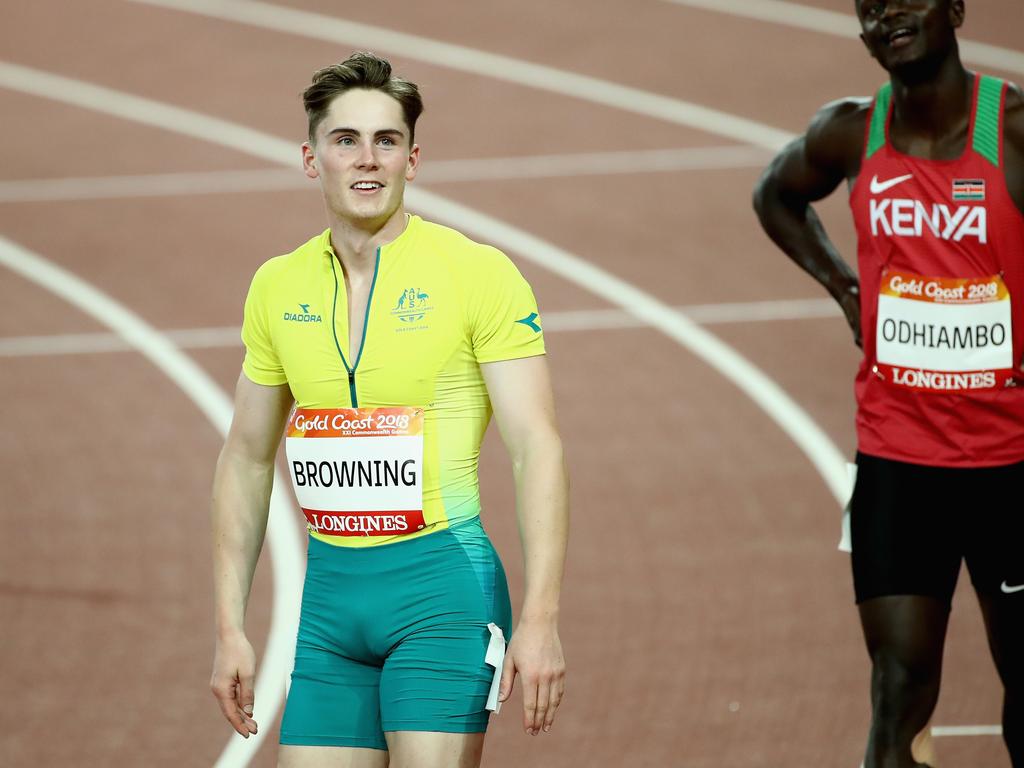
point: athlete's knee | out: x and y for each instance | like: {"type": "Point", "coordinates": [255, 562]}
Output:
{"type": "Point", "coordinates": [894, 673]}
{"type": "Point", "coordinates": [904, 693]}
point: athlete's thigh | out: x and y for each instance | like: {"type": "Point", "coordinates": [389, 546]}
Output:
{"type": "Point", "coordinates": [436, 677]}
{"type": "Point", "coordinates": [995, 559]}
{"type": "Point", "coordinates": [1004, 625]}
{"type": "Point", "coordinates": [334, 698]}
{"type": "Point", "coordinates": [331, 757]}
{"type": "Point", "coordinates": [333, 701]}
{"type": "Point", "coordinates": [431, 749]}
{"type": "Point", "coordinates": [903, 526]}
{"type": "Point", "coordinates": [908, 630]}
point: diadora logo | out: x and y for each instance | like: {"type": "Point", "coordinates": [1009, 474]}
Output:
{"type": "Point", "coordinates": [302, 317]}
{"type": "Point", "coordinates": [530, 321]}
{"type": "Point", "coordinates": [910, 218]}
{"type": "Point", "coordinates": [412, 306]}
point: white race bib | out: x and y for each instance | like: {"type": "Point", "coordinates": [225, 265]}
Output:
{"type": "Point", "coordinates": [358, 471]}
{"type": "Point", "coordinates": [939, 334]}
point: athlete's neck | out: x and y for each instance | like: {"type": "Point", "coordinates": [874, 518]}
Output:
{"type": "Point", "coordinates": [935, 107]}
{"type": "Point", "coordinates": [355, 243]}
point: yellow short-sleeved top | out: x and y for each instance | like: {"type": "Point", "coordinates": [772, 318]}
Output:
{"type": "Point", "coordinates": [440, 305]}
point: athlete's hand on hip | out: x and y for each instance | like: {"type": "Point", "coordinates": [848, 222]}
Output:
{"type": "Point", "coordinates": [535, 654]}
{"type": "Point", "coordinates": [234, 668]}
{"type": "Point", "coordinates": [849, 301]}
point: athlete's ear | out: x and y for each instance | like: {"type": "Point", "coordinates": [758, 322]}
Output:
{"type": "Point", "coordinates": [413, 164]}
{"type": "Point", "coordinates": [309, 161]}
{"type": "Point", "coordinates": [957, 11]}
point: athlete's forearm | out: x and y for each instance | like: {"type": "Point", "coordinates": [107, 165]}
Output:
{"type": "Point", "coordinates": [241, 500]}
{"type": "Point", "coordinates": [795, 227]}
{"type": "Point", "coordinates": [542, 508]}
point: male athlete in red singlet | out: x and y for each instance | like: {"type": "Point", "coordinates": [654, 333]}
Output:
{"type": "Point", "coordinates": [935, 168]}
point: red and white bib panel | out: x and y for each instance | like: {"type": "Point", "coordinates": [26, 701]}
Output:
{"type": "Point", "coordinates": [358, 471]}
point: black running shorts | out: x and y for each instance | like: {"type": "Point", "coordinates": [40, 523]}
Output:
{"type": "Point", "coordinates": [912, 525]}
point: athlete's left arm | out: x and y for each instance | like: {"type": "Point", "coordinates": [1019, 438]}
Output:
{"type": "Point", "coordinates": [1013, 144]}
{"type": "Point", "coordinates": [520, 393]}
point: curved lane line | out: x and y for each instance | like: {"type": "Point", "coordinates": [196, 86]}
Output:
{"type": "Point", "coordinates": [283, 532]}
{"type": "Point", "coordinates": [317, 26]}
{"type": "Point", "coordinates": [845, 25]}
{"type": "Point", "coordinates": [777, 405]}
{"type": "Point", "coordinates": [772, 399]}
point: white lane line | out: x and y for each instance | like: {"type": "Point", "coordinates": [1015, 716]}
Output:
{"type": "Point", "coordinates": [791, 418]}
{"type": "Point", "coordinates": [282, 530]}
{"type": "Point", "coordinates": [967, 730]}
{"type": "Point", "coordinates": [845, 25]}
{"type": "Point", "coordinates": [777, 405]}
{"type": "Point", "coordinates": [434, 172]}
{"type": "Point", "coordinates": [65, 344]}
{"type": "Point", "coordinates": [596, 164]}
{"type": "Point", "coordinates": [566, 320]}
{"type": "Point", "coordinates": [317, 26]}
{"type": "Point", "coordinates": [787, 414]}
{"type": "Point", "coordinates": [152, 185]}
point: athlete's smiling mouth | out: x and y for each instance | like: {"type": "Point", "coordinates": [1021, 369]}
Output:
{"type": "Point", "coordinates": [367, 186]}
{"type": "Point", "coordinates": [900, 37]}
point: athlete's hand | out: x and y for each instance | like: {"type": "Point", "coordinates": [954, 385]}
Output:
{"type": "Point", "coordinates": [849, 301]}
{"type": "Point", "coordinates": [535, 653]}
{"type": "Point", "coordinates": [234, 668]}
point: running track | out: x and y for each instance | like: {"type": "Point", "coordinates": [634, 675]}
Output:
{"type": "Point", "coordinates": [707, 619]}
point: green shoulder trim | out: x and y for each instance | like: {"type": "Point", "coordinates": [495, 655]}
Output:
{"type": "Point", "coordinates": [879, 116]}
{"type": "Point", "coordinates": [986, 119]}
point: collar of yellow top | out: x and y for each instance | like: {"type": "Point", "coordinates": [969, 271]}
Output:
{"type": "Point", "coordinates": [411, 222]}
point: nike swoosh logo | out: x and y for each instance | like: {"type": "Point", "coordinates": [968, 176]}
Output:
{"type": "Point", "coordinates": [1007, 589]}
{"type": "Point", "coordinates": [877, 187]}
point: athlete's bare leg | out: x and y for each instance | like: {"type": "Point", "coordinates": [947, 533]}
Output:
{"type": "Point", "coordinates": [429, 749]}
{"type": "Point", "coordinates": [290, 756]}
{"type": "Point", "coordinates": [1004, 623]}
{"type": "Point", "coordinates": [904, 635]}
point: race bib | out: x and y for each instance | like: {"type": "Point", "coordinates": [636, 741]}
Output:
{"type": "Point", "coordinates": [358, 471]}
{"type": "Point", "coordinates": [938, 334]}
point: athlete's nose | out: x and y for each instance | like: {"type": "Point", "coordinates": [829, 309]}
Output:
{"type": "Point", "coordinates": [366, 159]}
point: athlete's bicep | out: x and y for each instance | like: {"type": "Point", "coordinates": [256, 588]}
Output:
{"type": "Point", "coordinates": [258, 421]}
{"type": "Point", "coordinates": [524, 406]}
{"type": "Point", "coordinates": [811, 166]}
{"type": "Point", "coordinates": [799, 178]}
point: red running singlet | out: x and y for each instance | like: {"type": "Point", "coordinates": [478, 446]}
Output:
{"type": "Point", "coordinates": [941, 261]}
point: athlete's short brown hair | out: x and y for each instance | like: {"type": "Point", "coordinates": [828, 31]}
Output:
{"type": "Point", "coordinates": [360, 70]}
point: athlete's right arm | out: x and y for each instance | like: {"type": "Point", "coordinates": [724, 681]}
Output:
{"type": "Point", "coordinates": [241, 502]}
{"type": "Point", "coordinates": [808, 169]}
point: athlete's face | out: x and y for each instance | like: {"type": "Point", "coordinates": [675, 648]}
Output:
{"type": "Point", "coordinates": [902, 33]}
{"type": "Point", "coordinates": [362, 157]}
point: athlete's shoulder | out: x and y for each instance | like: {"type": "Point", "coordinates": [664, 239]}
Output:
{"type": "Point", "coordinates": [278, 266]}
{"type": "Point", "coordinates": [1013, 116]}
{"type": "Point", "coordinates": [838, 128]}
{"type": "Point", "coordinates": [1013, 142]}
{"type": "Point", "coordinates": [455, 246]}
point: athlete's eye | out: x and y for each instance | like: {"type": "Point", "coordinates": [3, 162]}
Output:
{"type": "Point", "coordinates": [872, 10]}
{"type": "Point", "coordinates": [346, 141]}
{"type": "Point", "coordinates": [386, 141]}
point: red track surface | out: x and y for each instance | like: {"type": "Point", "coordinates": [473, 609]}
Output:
{"type": "Point", "coordinates": [702, 574]}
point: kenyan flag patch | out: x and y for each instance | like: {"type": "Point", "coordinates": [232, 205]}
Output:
{"type": "Point", "coordinates": [968, 189]}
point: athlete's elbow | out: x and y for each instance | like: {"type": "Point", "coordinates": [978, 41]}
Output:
{"type": "Point", "coordinates": [765, 196]}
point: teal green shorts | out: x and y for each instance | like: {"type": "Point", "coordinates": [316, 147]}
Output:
{"type": "Point", "coordinates": [393, 638]}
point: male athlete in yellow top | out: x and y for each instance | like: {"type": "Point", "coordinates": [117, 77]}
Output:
{"type": "Point", "coordinates": [385, 343]}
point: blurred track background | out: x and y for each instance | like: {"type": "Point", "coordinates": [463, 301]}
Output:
{"type": "Point", "coordinates": [151, 155]}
